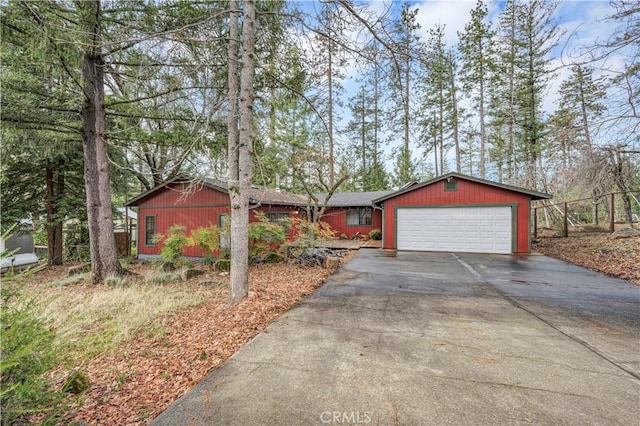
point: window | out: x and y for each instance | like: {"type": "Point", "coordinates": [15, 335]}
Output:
{"type": "Point", "coordinates": [149, 230]}
{"type": "Point", "coordinates": [275, 217]}
{"type": "Point", "coordinates": [223, 226]}
{"type": "Point", "coordinates": [362, 216]}
{"type": "Point", "coordinates": [450, 185]}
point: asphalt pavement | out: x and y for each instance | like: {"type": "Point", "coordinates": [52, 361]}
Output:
{"type": "Point", "coordinates": [437, 339]}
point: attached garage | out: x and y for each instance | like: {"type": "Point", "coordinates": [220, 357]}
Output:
{"type": "Point", "coordinates": [455, 229]}
{"type": "Point", "coordinates": [458, 213]}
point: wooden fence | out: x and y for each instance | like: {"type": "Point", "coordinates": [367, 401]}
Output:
{"type": "Point", "coordinates": [591, 214]}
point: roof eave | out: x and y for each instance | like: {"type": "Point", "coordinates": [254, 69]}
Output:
{"type": "Point", "coordinates": [182, 178]}
{"type": "Point", "coordinates": [535, 195]}
{"type": "Point", "coordinates": [134, 201]}
{"type": "Point", "coordinates": [255, 203]}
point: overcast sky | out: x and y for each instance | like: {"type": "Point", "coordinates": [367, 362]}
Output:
{"type": "Point", "coordinates": [582, 23]}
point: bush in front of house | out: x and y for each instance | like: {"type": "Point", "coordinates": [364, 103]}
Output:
{"type": "Point", "coordinates": [265, 239]}
{"type": "Point", "coordinates": [375, 234]}
{"type": "Point", "coordinates": [208, 240]}
{"type": "Point", "coordinates": [173, 246]}
{"type": "Point", "coordinates": [309, 233]}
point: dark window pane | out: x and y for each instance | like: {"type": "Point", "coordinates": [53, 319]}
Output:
{"type": "Point", "coordinates": [353, 217]}
{"type": "Point", "coordinates": [149, 230]}
{"type": "Point", "coordinates": [362, 216]}
{"type": "Point", "coordinates": [451, 185]}
{"type": "Point", "coordinates": [223, 226]}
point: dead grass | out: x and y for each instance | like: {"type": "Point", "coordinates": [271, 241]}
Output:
{"type": "Point", "coordinates": [91, 319]}
{"type": "Point", "coordinates": [143, 345]}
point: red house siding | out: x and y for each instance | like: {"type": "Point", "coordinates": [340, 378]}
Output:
{"type": "Point", "coordinates": [468, 193]}
{"type": "Point", "coordinates": [337, 219]}
{"type": "Point", "coordinates": [198, 209]}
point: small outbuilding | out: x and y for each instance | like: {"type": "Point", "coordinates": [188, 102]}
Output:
{"type": "Point", "coordinates": [458, 213]}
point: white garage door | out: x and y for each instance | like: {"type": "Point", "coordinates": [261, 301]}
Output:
{"type": "Point", "coordinates": [455, 229]}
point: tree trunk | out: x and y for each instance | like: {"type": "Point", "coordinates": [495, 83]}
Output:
{"type": "Point", "coordinates": [58, 247]}
{"type": "Point", "coordinates": [238, 272]}
{"type": "Point", "coordinates": [454, 114]}
{"type": "Point", "coordinates": [363, 140]}
{"type": "Point", "coordinates": [406, 110]}
{"type": "Point", "coordinates": [618, 171]}
{"type": "Point", "coordinates": [435, 145]}
{"type": "Point", "coordinates": [512, 165]}
{"type": "Point", "coordinates": [332, 172]}
{"type": "Point", "coordinates": [104, 256]}
{"type": "Point", "coordinates": [483, 131]}
{"type": "Point", "coordinates": [375, 111]}
{"type": "Point", "coordinates": [240, 143]}
{"type": "Point", "coordinates": [441, 130]}
{"type": "Point", "coordinates": [54, 225]}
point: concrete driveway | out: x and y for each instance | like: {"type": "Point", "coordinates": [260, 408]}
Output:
{"type": "Point", "coordinates": [437, 338]}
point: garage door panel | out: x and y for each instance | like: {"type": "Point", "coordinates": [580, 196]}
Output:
{"type": "Point", "coordinates": [455, 229]}
{"type": "Point", "coordinates": [456, 234]}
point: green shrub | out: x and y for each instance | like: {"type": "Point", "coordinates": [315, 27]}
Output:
{"type": "Point", "coordinates": [27, 353]}
{"type": "Point", "coordinates": [310, 233]}
{"type": "Point", "coordinates": [265, 237]}
{"type": "Point", "coordinates": [76, 383]}
{"type": "Point", "coordinates": [375, 234]}
{"type": "Point", "coordinates": [76, 244]}
{"type": "Point", "coordinates": [208, 240]}
{"type": "Point", "coordinates": [223, 265]}
{"type": "Point", "coordinates": [274, 257]}
{"type": "Point", "coordinates": [173, 245]}
{"type": "Point", "coordinates": [163, 278]}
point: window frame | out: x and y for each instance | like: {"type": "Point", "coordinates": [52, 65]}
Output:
{"type": "Point", "coordinates": [274, 217]}
{"type": "Point", "coordinates": [148, 239]}
{"type": "Point", "coordinates": [451, 185]}
{"type": "Point", "coordinates": [222, 235]}
{"type": "Point", "coordinates": [362, 216]}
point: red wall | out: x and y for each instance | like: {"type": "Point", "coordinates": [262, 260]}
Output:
{"type": "Point", "coordinates": [468, 192]}
{"type": "Point", "coordinates": [337, 219]}
{"type": "Point", "coordinates": [200, 208]}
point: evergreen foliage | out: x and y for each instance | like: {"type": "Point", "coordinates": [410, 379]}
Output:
{"type": "Point", "coordinates": [27, 353]}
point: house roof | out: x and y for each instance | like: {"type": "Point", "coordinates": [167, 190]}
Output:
{"type": "Point", "coordinates": [123, 212]}
{"type": "Point", "coordinates": [535, 195]}
{"type": "Point", "coordinates": [264, 195]}
{"type": "Point", "coordinates": [259, 194]}
{"type": "Point", "coordinates": [352, 199]}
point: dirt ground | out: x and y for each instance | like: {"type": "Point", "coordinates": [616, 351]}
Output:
{"type": "Point", "coordinates": [618, 258]}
